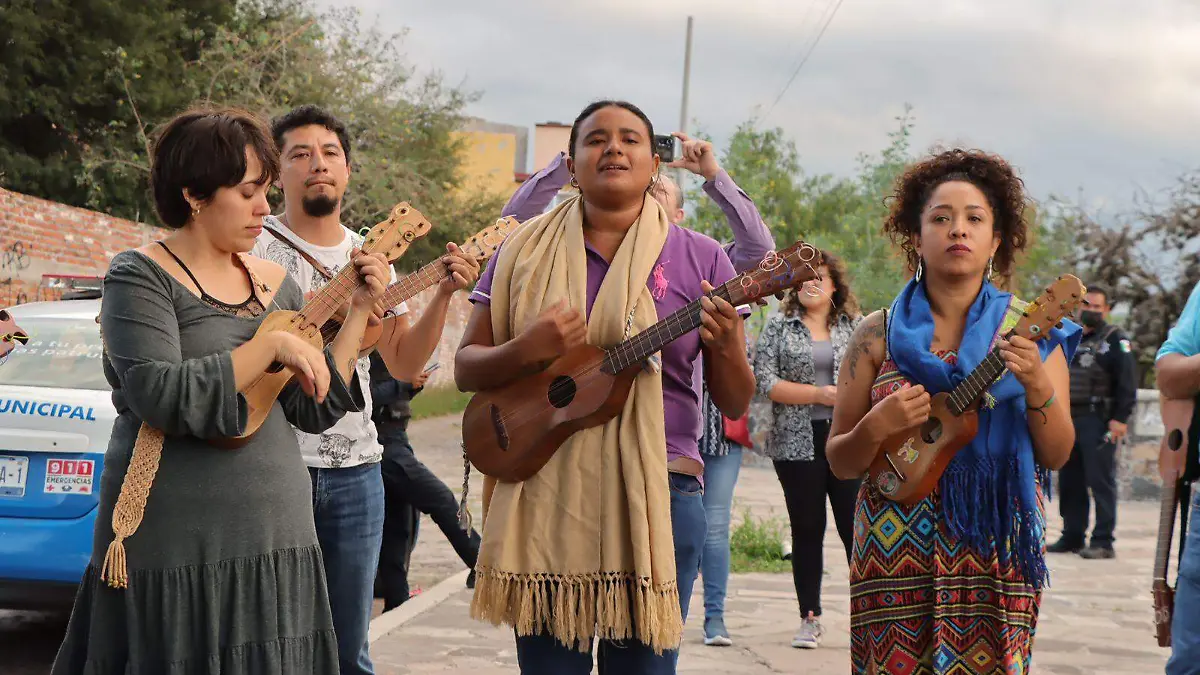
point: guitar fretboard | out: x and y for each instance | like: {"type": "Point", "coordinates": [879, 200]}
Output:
{"type": "Point", "coordinates": [969, 390]}
{"type": "Point", "coordinates": [639, 347]}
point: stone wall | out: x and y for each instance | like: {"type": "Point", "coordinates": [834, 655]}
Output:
{"type": "Point", "coordinates": [1137, 473]}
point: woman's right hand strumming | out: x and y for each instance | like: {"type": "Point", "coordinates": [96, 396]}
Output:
{"type": "Point", "coordinates": [306, 362]}
{"type": "Point", "coordinates": [904, 409]}
{"type": "Point", "coordinates": [556, 331]}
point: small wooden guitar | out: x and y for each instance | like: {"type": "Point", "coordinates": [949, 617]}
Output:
{"type": "Point", "coordinates": [1177, 420]}
{"type": "Point", "coordinates": [392, 238]}
{"type": "Point", "coordinates": [909, 464]}
{"type": "Point", "coordinates": [510, 432]}
{"type": "Point", "coordinates": [481, 245]}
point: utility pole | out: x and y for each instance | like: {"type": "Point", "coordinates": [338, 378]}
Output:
{"type": "Point", "coordinates": [687, 72]}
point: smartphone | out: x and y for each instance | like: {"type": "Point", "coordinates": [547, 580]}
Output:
{"type": "Point", "coordinates": [664, 147]}
{"type": "Point", "coordinates": [432, 368]}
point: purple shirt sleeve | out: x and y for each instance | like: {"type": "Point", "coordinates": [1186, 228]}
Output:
{"type": "Point", "coordinates": [483, 287]}
{"type": "Point", "coordinates": [751, 238]}
{"type": "Point", "coordinates": [531, 199]}
{"type": "Point", "coordinates": [722, 271]}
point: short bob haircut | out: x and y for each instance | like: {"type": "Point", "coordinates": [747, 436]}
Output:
{"type": "Point", "coordinates": [202, 150]}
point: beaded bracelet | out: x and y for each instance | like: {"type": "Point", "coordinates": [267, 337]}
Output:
{"type": "Point", "coordinates": [1042, 408]}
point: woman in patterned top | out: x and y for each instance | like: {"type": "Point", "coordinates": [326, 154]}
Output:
{"type": "Point", "coordinates": [953, 583]}
{"type": "Point", "coordinates": [796, 363]}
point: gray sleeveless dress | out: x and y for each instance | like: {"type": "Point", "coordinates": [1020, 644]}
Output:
{"type": "Point", "coordinates": [225, 574]}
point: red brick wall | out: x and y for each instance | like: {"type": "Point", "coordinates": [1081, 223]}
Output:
{"type": "Point", "coordinates": [39, 237]}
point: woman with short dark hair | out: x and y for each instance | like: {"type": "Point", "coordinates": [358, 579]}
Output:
{"type": "Point", "coordinates": [205, 559]}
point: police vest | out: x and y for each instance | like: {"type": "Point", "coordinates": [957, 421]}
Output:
{"type": "Point", "coordinates": [1090, 380]}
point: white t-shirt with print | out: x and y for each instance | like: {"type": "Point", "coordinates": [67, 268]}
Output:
{"type": "Point", "coordinates": [353, 440]}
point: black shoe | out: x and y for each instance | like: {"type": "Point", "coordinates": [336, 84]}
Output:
{"type": "Point", "coordinates": [471, 579]}
{"type": "Point", "coordinates": [1098, 553]}
{"type": "Point", "coordinates": [1064, 546]}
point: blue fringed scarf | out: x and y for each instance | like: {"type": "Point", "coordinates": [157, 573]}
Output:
{"type": "Point", "coordinates": [989, 491]}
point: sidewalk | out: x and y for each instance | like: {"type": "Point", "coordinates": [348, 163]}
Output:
{"type": "Point", "coordinates": [1096, 617]}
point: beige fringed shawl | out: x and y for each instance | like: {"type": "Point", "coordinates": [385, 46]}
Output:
{"type": "Point", "coordinates": [584, 548]}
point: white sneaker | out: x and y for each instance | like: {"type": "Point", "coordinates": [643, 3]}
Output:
{"type": "Point", "coordinates": [809, 636]}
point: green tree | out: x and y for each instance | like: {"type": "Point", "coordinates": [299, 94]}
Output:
{"type": "Point", "coordinates": [58, 92]}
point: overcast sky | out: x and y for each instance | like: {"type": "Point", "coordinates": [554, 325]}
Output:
{"type": "Point", "coordinates": [1098, 96]}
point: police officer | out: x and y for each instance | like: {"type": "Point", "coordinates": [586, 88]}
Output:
{"type": "Point", "coordinates": [1103, 394]}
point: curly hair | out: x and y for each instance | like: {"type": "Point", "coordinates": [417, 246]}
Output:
{"type": "Point", "coordinates": [995, 178]}
{"type": "Point", "coordinates": [844, 300]}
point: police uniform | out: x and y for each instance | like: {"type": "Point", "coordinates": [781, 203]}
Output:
{"type": "Point", "coordinates": [1103, 388]}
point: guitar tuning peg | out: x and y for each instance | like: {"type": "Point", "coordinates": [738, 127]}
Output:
{"type": "Point", "coordinates": [1059, 325]}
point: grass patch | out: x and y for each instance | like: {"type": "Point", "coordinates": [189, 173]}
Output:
{"type": "Point", "coordinates": [756, 545]}
{"type": "Point", "coordinates": [438, 401]}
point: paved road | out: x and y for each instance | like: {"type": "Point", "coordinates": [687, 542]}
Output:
{"type": "Point", "coordinates": [1096, 617]}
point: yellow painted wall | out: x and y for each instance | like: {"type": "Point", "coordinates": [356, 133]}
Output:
{"type": "Point", "coordinates": [488, 160]}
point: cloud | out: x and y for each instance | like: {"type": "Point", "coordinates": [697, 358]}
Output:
{"type": "Point", "coordinates": [1098, 95]}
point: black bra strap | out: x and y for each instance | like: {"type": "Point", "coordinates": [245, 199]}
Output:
{"type": "Point", "coordinates": [184, 267]}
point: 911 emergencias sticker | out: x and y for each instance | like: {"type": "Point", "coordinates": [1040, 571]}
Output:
{"type": "Point", "coordinates": [69, 476]}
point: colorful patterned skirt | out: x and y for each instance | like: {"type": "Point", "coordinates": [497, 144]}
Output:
{"type": "Point", "coordinates": [922, 604]}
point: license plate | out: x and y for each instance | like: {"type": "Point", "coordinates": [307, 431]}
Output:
{"type": "Point", "coordinates": [13, 472]}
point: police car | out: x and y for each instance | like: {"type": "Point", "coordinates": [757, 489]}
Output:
{"type": "Point", "coordinates": [56, 415]}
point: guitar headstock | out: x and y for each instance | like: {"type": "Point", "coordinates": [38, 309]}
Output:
{"type": "Point", "coordinates": [1055, 303]}
{"type": "Point", "coordinates": [778, 271]}
{"type": "Point", "coordinates": [392, 237]}
{"type": "Point", "coordinates": [484, 243]}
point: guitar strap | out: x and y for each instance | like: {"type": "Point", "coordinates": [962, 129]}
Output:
{"type": "Point", "coordinates": [316, 265]}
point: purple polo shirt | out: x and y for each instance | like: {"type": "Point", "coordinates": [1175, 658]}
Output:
{"type": "Point", "coordinates": [687, 258]}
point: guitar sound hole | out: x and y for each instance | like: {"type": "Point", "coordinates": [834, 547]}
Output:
{"type": "Point", "coordinates": [275, 367]}
{"type": "Point", "coordinates": [562, 391]}
{"type": "Point", "coordinates": [931, 430]}
{"type": "Point", "coordinates": [1175, 439]}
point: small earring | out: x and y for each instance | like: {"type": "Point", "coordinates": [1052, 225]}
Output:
{"type": "Point", "coordinates": [574, 182]}
{"type": "Point", "coordinates": [920, 269]}
{"type": "Point", "coordinates": [196, 211]}
{"type": "Point", "coordinates": [987, 274]}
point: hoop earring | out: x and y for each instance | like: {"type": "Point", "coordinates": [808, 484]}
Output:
{"type": "Point", "coordinates": [987, 274]}
{"type": "Point", "coordinates": [574, 182]}
{"type": "Point", "coordinates": [196, 211]}
{"type": "Point", "coordinates": [920, 269]}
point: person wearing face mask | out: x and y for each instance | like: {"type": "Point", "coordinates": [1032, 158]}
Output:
{"type": "Point", "coordinates": [1103, 395]}
{"type": "Point", "coordinates": [796, 363]}
{"type": "Point", "coordinates": [953, 582]}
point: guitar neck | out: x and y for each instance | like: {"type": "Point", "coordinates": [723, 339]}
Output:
{"type": "Point", "coordinates": [331, 297]}
{"type": "Point", "coordinates": [412, 284]}
{"type": "Point", "coordinates": [638, 348]}
{"type": "Point", "coordinates": [1166, 529]}
{"type": "Point", "coordinates": [969, 390]}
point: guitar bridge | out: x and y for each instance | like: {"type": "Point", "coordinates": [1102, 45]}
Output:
{"type": "Point", "coordinates": [895, 468]}
{"type": "Point", "coordinates": [498, 426]}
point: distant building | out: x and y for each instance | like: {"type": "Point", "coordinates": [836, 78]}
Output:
{"type": "Point", "coordinates": [496, 154]}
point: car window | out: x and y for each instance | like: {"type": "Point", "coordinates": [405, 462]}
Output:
{"type": "Point", "coordinates": [60, 353]}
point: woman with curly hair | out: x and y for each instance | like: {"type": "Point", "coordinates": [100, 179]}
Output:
{"type": "Point", "coordinates": [796, 363]}
{"type": "Point", "coordinates": [952, 583]}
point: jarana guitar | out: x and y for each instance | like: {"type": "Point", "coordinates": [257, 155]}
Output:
{"type": "Point", "coordinates": [1177, 420]}
{"type": "Point", "coordinates": [392, 238]}
{"type": "Point", "coordinates": [910, 462]}
{"type": "Point", "coordinates": [481, 246]}
{"type": "Point", "coordinates": [510, 432]}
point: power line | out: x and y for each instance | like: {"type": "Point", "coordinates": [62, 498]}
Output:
{"type": "Point", "coordinates": [804, 60]}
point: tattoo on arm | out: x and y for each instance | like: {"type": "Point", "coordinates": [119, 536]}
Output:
{"type": "Point", "coordinates": [868, 331]}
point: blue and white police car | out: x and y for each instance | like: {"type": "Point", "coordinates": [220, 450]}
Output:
{"type": "Point", "coordinates": [56, 415]}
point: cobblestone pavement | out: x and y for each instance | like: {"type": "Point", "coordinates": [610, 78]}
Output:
{"type": "Point", "coordinates": [1096, 617]}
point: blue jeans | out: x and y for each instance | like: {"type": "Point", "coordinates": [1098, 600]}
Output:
{"type": "Point", "coordinates": [1185, 624]}
{"type": "Point", "coordinates": [348, 508]}
{"type": "Point", "coordinates": [720, 475]}
{"type": "Point", "coordinates": [545, 655]}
